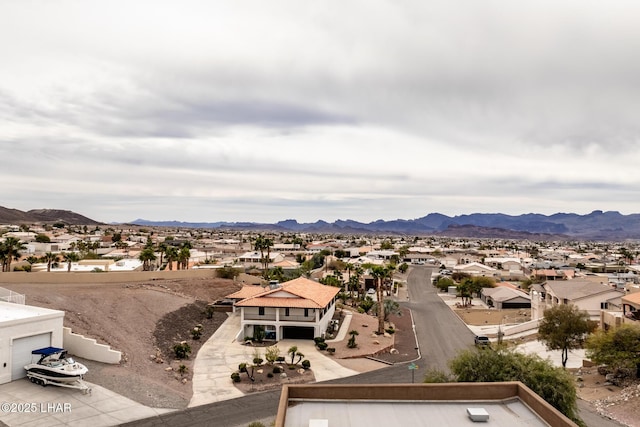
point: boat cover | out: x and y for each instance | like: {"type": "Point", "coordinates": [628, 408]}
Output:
{"type": "Point", "coordinates": [47, 351]}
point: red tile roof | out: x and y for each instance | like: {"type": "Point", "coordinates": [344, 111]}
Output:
{"type": "Point", "coordinates": [297, 293]}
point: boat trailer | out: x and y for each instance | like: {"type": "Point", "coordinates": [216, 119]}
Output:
{"type": "Point", "coordinates": [40, 380]}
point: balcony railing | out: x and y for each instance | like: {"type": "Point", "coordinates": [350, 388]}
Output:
{"type": "Point", "coordinates": [252, 316]}
{"type": "Point", "coordinates": [283, 318]}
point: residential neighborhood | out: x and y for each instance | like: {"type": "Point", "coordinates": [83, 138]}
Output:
{"type": "Point", "coordinates": [310, 287]}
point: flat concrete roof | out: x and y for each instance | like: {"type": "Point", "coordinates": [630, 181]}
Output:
{"type": "Point", "coordinates": [10, 311]}
{"type": "Point", "coordinates": [446, 404]}
{"type": "Point", "coordinates": [507, 413]}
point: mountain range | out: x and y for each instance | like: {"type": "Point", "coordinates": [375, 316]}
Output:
{"type": "Point", "coordinates": [598, 225]}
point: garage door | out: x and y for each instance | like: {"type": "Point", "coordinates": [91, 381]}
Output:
{"type": "Point", "coordinates": [21, 352]}
{"type": "Point", "coordinates": [298, 333]}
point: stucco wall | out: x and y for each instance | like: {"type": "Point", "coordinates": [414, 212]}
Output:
{"type": "Point", "coordinates": [108, 277]}
{"type": "Point", "coordinates": [88, 348]}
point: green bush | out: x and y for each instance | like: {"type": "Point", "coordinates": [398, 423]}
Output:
{"type": "Point", "coordinates": [182, 350]}
{"type": "Point", "coordinates": [318, 340]}
{"type": "Point", "coordinates": [257, 361]}
{"type": "Point", "coordinates": [269, 375]}
{"type": "Point", "coordinates": [390, 331]}
{"type": "Point", "coordinates": [235, 377]}
{"type": "Point", "coordinates": [277, 370]}
{"type": "Point", "coordinates": [306, 364]}
{"type": "Point", "coordinates": [208, 311]}
{"type": "Point", "coordinates": [331, 350]}
{"type": "Point", "coordinates": [242, 367]}
{"type": "Point", "coordinates": [196, 332]}
{"type": "Point", "coordinates": [323, 345]}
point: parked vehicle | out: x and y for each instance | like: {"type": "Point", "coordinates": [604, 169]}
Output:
{"type": "Point", "coordinates": [481, 340]}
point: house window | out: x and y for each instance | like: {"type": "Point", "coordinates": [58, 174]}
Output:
{"type": "Point", "coordinates": [286, 312]}
{"type": "Point", "coordinates": [260, 311]}
{"type": "Point", "coordinates": [604, 305]}
{"type": "Point", "coordinates": [306, 312]}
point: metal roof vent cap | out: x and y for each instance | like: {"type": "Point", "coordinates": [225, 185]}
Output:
{"type": "Point", "coordinates": [478, 415]}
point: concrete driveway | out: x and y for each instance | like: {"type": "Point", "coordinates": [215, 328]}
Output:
{"type": "Point", "coordinates": [33, 405]}
{"type": "Point", "coordinates": [221, 355]}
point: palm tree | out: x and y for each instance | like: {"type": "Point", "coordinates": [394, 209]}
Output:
{"type": "Point", "coordinates": [183, 257]}
{"type": "Point", "coordinates": [147, 256]}
{"type": "Point", "coordinates": [70, 257]}
{"type": "Point", "coordinates": [51, 259]}
{"type": "Point", "coordinates": [379, 273]}
{"type": "Point", "coordinates": [10, 251]}
{"type": "Point", "coordinates": [172, 254]}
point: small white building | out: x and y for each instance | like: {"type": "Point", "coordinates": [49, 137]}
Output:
{"type": "Point", "coordinates": [24, 328]}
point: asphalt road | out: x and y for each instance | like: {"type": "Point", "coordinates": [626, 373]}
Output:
{"type": "Point", "coordinates": [441, 334]}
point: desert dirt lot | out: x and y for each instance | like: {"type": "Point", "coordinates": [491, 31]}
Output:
{"type": "Point", "coordinates": [141, 320]}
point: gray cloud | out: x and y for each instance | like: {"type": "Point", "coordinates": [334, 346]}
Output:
{"type": "Point", "coordinates": [392, 110]}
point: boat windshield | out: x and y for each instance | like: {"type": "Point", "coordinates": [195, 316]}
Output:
{"type": "Point", "coordinates": [70, 360]}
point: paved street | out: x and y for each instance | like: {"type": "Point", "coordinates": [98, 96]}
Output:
{"type": "Point", "coordinates": [441, 335]}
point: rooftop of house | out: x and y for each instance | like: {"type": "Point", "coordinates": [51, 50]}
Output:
{"type": "Point", "coordinates": [505, 404]}
{"type": "Point", "coordinates": [633, 298]}
{"type": "Point", "coordinates": [501, 293]}
{"type": "Point", "coordinates": [296, 293]}
{"type": "Point", "coordinates": [576, 289]}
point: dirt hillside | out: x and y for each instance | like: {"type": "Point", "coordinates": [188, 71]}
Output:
{"type": "Point", "coordinates": [142, 320]}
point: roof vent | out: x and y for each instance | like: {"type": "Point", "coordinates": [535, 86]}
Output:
{"type": "Point", "coordinates": [478, 415]}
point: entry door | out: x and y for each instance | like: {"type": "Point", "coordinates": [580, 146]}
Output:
{"type": "Point", "coordinates": [21, 352]}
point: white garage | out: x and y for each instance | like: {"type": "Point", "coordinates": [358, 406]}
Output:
{"type": "Point", "coordinates": [24, 328]}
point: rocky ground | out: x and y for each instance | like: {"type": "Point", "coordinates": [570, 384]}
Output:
{"type": "Point", "coordinates": [143, 321]}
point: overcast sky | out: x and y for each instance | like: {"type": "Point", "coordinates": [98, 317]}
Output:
{"type": "Point", "coordinates": [268, 110]}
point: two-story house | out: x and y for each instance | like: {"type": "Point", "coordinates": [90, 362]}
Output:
{"type": "Point", "coordinates": [297, 309]}
{"type": "Point", "coordinates": [587, 295]}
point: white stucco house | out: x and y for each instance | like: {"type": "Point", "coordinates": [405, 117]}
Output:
{"type": "Point", "coordinates": [587, 295]}
{"type": "Point", "coordinates": [298, 309]}
{"type": "Point", "coordinates": [476, 269]}
{"type": "Point", "coordinates": [24, 328]}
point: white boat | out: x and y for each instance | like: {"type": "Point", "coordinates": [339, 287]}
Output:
{"type": "Point", "coordinates": [55, 366]}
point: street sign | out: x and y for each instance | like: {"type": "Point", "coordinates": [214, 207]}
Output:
{"type": "Point", "coordinates": [412, 368]}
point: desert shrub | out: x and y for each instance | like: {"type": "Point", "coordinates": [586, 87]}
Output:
{"type": "Point", "coordinates": [322, 345]}
{"type": "Point", "coordinates": [280, 359]}
{"type": "Point", "coordinates": [271, 354]}
{"type": "Point", "coordinates": [331, 350]}
{"type": "Point", "coordinates": [242, 367]}
{"type": "Point", "coordinates": [318, 340]}
{"type": "Point", "coordinates": [277, 370]}
{"type": "Point", "coordinates": [352, 341]}
{"type": "Point", "coordinates": [182, 369]}
{"type": "Point", "coordinates": [182, 350]}
{"type": "Point", "coordinates": [390, 331]}
{"type": "Point", "coordinates": [269, 375]}
{"type": "Point", "coordinates": [306, 364]}
{"type": "Point", "coordinates": [235, 377]}
{"type": "Point", "coordinates": [257, 361]}
{"type": "Point", "coordinates": [196, 332]}
{"type": "Point", "coordinates": [256, 424]}
{"type": "Point", "coordinates": [208, 311]}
